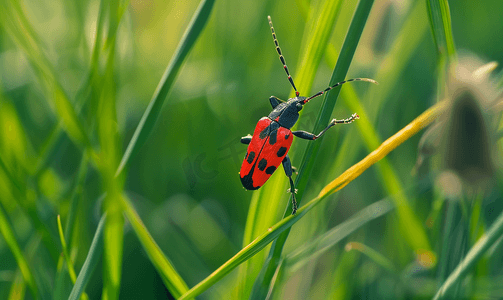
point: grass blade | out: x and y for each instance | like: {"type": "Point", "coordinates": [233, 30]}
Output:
{"type": "Point", "coordinates": [349, 175]}
{"type": "Point", "coordinates": [15, 23]}
{"type": "Point", "coordinates": [114, 238]}
{"type": "Point", "coordinates": [375, 256]}
{"type": "Point", "coordinates": [410, 226]}
{"type": "Point", "coordinates": [308, 160]}
{"type": "Point", "coordinates": [172, 280]}
{"type": "Point", "coordinates": [261, 213]}
{"type": "Point", "coordinates": [10, 239]}
{"type": "Point", "coordinates": [310, 250]}
{"type": "Point", "coordinates": [69, 263]}
{"type": "Point", "coordinates": [440, 21]}
{"type": "Point", "coordinates": [472, 257]}
{"type": "Point", "coordinates": [153, 109]}
{"type": "Point", "coordinates": [92, 259]}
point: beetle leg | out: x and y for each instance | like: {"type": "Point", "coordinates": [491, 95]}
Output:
{"type": "Point", "coordinates": [246, 139]}
{"type": "Point", "coordinates": [274, 101]}
{"type": "Point", "coordinates": [287, 166]}
{"type": "Point", "coordinates": [310, 136]}
{"type": "Point", "coordinates": [294, 169]}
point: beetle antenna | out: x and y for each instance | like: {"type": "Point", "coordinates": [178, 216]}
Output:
{"type": "Point", "coordinates": [281, 56]}
{"type": "Point", "coordinates": [338, 84]}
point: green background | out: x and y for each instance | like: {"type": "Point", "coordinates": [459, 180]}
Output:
{"type": "Point", "coordinates": [184, 181]}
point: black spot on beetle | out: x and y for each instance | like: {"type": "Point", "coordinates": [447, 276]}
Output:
{"type": "Point", "coordinates": [250, 158]}
{"type": "Point", "coordinates": [281, 151]}
{"type": "Point", "coordinates": [262, 164]}
{"type": "Point", "coordinates": [273, 137]}
{"type": "Point", "coordinates": [247, 181]}
{"type": "Point", "coordinates": [287, 136]}
{"type": "Point", "coordinates": [270, 170]}
{"type": "Point", "coordinates": [264, 132]}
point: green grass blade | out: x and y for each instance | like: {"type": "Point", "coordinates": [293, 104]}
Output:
{"type": "Point", "coordinates": [375, 256]}
{"type": "Point", "coordinates": [13, 20]}
{"type": "Point", "coordinates": [349, 175]}
{"type": "Point", "coordinates": [18, 287]}
{"type": "Point", "coordinates": [11, 178]}
{"type": "Point", "coordinates": [472, 257]}
{"type": "Point", "coordinates": [410, 225]}
{"type": "Point", "coordinates": [267, 203]}
{"type": "Point", "coordinates": [69, 263]}
{"type": "Point", "coordinates": [10, 239]}
{"type": "Point", "coordinates": [75, 196]}
{"type": "Point", "coordinates": [440, 21]}
{"type": "Point", "coordinates": [172, 280]}
{"type": "Point", "coordinates": [114, 238]}
{"type": "Point", "coordinates": [395, 61]}
{"type": "Point", "coordinates": [55, 138]}
{"type": "Point", "coordinates": [312, 249]}
{"type": "Point", "coordinates": [92, 259]}
{"type": "Point", "coordinates": [308, 160]}
{"type": "Point", "coordinates": [153, 110]}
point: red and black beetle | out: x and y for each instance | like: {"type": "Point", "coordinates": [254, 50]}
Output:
{"type": "Point", "coordinates": [272, 138]}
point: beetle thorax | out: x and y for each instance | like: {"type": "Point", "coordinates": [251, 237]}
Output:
{"type": "Point", "coordinates": [287, 113]}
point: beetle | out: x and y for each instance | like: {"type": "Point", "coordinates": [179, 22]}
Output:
{"type": "Point", "coordinates": [272, 138]}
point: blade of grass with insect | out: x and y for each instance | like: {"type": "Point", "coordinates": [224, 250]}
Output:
{"type": "Point", "coordinates": [265, 205]}
{"type": "Point", "coordinates": [10, 239]}
{"type": "Point", "coordinates": [262, 282]}
{"type": "Point", "coordinates": [472, 257]}
{"type": "Point", "coordinates": [425, 119]}
{"type": "Point", "coordinates": [92, 259]}
{"type": "Point", "coordinates": [172, 280]}
{"type": "Point", "coordinates": [149, 118]}
{"type": "Point", "coordinates": [20, 31]}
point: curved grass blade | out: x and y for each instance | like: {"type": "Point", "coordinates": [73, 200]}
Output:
{"type": "Point", "coordinates": [375, 256]}
{"type": "Point", "coordinates": [262, 282]}
{"type": "Point", "coordinates": [349, 175]}
{"type": "Point", "coordinates": [10, 240]}
{"type": "Point", "coordinates": [92, 259]}
{"type": "Point", "coordinates": [153, 109]}
{"type": "Point", "coordinates": [410, 226]}
{"type": "Point", "coordinates": [312, 249]}
{"type": "Point", "coordinates": [472, 257]}
{"type": "Point", "coordinates": [172, 280]}
{"type": "Point", "coordinates": [69, 263]}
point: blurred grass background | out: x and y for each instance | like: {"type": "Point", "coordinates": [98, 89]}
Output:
{"type": "Point", "coordinates": [184, 181]}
